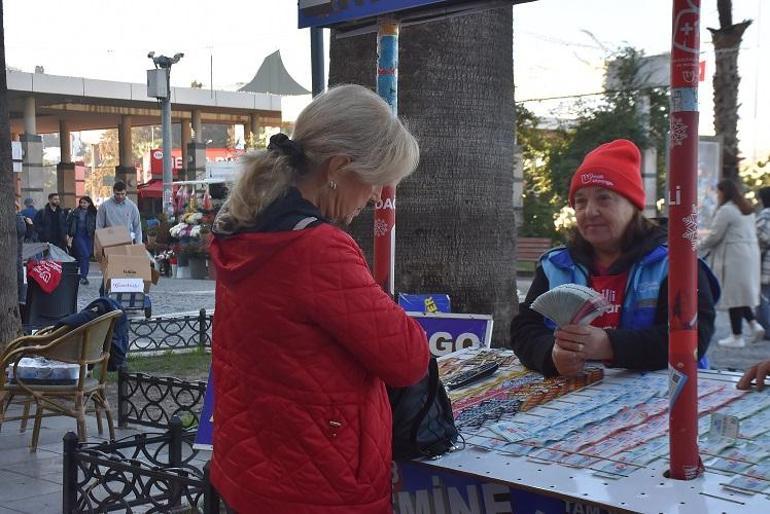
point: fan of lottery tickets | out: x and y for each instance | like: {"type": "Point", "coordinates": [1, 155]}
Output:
{"type": "Point", "coordinates": [571, 304]}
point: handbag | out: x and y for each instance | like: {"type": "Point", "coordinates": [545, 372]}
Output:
{"type": "Point", "coordinates": [423, 424]}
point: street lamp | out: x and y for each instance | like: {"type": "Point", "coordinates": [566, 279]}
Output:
{"type": "Point", "coordinates": [159, 86]}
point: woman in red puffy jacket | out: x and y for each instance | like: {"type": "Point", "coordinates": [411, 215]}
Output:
{"type": "Point", "coordinates": [304, 339]}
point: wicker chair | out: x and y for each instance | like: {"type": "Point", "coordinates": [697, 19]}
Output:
{"type": "Point", "coordinates": [87, 346]}
{"type": "Point", "coordinates": [42, 337]}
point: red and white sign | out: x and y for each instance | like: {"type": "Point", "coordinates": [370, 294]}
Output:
{"type": "Point", "coordinates": [47, 274]}
{"type": "Point", "coordinates": [156, 162]}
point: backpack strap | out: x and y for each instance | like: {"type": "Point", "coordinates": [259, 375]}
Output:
{"type": "Point", "coordinates": [305, 223]}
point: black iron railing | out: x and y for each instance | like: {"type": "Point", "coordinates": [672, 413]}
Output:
{"type": "Point", "coordinates": [153, 401]}
{"type": "Point", "coordinates": [151, 471]}
{"type": "Point", "coordinates": [164, 334]}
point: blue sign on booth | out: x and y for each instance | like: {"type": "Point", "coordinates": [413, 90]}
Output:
{"type": "Point", "coordinates": [431, 490]}
{"type": "Point", "coordinates": [425, 302]}
{"type": "Point", "coordinates": [450, 332]}
{"type": "Point", "coordinates": [204, 436]}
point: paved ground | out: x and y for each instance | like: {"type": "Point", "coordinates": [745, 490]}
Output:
{"type": "Point", "coordinates": [32, 482]}
{"type": "Point", "coordinates": [170, 295]}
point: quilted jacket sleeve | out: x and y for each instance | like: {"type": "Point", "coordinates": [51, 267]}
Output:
{"type": "Point", "coordinates": [344, 300]}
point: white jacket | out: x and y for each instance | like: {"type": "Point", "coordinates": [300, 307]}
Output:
{"type": "Point", "coordinates": [733, 255]}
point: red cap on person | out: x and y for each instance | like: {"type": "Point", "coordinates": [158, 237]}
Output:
{"type": "Point", "coordinates": [616, 166]}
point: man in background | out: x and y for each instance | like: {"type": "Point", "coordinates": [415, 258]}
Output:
{"type": "Point", "coordinates": [51, 224]}
{"type": "Point", "coordinates": [120, 211]}
{"type": "Point", "coordinates": [29, 212]}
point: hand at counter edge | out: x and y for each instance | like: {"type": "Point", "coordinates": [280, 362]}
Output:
{"type": "Point", "coordinates": [757, 374]}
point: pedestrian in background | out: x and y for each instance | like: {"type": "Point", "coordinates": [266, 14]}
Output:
{"type": "Point", "coordinates": [733, 254]}
{"type": "Point", "coordinates": [763, 236]}
{"type": "Point", "coordinates": [51, 223]}
{"type": "Point", "coordinates": [120, 210]}
{"type": "Point", "coordinates": [29, 212]}
{"type": "Point", "coordinates": [81, 225]}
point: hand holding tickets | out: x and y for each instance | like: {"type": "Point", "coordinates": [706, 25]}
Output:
{"type": "Point", "coordinates": [571, 304]}
{"type": "Point", "coordinates": [572, 308]}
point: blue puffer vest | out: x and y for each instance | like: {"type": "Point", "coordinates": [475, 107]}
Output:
{"type": "Point", "coordinates": [642, 289]}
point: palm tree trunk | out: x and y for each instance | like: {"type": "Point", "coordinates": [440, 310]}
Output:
{"type": "Point", "coordinates": [9, 307]}
{"type": "Point", "coordinates": [455, 223]}
{"type": "Point", "coordinates": [727, 41]}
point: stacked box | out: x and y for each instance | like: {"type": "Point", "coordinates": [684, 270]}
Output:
{"type": "Point", "coordinates": [119, 258]}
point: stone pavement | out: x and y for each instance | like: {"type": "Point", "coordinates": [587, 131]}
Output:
{"type": "Point", "coordinates": [32, 482]}
{"type": "Point", "coordinates": [169, 296]}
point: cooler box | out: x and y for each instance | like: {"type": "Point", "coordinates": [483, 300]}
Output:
{"type": "Point", "coordinates": [40, 370]}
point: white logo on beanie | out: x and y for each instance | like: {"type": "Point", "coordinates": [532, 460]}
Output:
{"type": "Point", "coordinates": [596, 178]}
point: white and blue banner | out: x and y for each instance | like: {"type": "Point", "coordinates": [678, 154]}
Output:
{"type": "Point", "coordinates": [418, 488]}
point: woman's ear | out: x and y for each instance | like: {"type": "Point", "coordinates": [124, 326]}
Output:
{"type": "Point", "coordinates": [334, 167]}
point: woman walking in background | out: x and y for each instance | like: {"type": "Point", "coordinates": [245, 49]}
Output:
{"type": "Point", "coordinates": [81, 225]}
{"type": "Point", "coordinates": [733, 254]}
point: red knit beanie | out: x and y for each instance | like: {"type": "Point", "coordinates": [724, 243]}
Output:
{"type": "Point", "coordinates": [615, 165]}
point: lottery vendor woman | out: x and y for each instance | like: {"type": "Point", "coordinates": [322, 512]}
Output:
{"type": "Point", "coordinates": [618, 252]}
{"type": "Point", "coordinates": [304, 339]}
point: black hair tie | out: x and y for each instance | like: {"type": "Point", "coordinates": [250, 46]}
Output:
{"type": "Point", "coordinates": [282, 144]}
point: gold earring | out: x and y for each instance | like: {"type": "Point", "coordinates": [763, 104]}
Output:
{"type": "Point", "coordinates": [332, 184]}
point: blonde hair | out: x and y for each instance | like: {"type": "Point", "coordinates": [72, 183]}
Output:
{"type": "Point", "coordinates": [346, 120]}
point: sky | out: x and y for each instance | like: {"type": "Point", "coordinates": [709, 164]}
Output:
{"type": "Point", "coordinates": [559, 46]}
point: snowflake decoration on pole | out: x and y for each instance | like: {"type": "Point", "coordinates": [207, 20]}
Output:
{"type": "Point", "coordinates": [678, 131]}
{"type": "Point", "coordinates": [381, 228]}
{"type": "Point", "coordinates": [691, 228]}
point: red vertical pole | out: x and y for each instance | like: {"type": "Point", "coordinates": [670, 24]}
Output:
{"type": "Point", "coordinates": [385, 210]}
{"type": "Point", "coordinates": [682, 239]}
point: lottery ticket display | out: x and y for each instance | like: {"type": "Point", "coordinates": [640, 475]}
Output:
{"type": "Point", "coordinates": [610, 425]}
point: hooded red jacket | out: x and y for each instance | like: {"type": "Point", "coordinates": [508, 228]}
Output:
{"type": "Point", "coordinates": [304, 343]}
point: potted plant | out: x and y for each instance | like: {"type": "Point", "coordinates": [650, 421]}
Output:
{"type": "Point", "coordinates": [196, 258]}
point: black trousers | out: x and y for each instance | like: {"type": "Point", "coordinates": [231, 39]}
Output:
{"type": "Point", "coordinates": [737, 315]}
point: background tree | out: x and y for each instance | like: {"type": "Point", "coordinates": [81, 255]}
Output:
{"type": "Point", "coordinates": [555, 155]}
{"type": "Point", "coordinates": [455, 226]}
{"type": "Point", "coordinates": [727, 42]}
{"type": "Point", "coordinates": [101, 159]}
{"type": "Point", "coordinates": [540, 200]}
{"type": "Point", "coordinates": [10, 321]}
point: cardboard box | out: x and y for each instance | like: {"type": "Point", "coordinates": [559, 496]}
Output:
{"type": "Point", "coordinates": [127, 266]}
{"type": "Point", "coordinates": [109, 237]}
{"type": "Point", "coordinates": [127, 250]}
{"type": "Point", "coordinates": [135, 251]}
